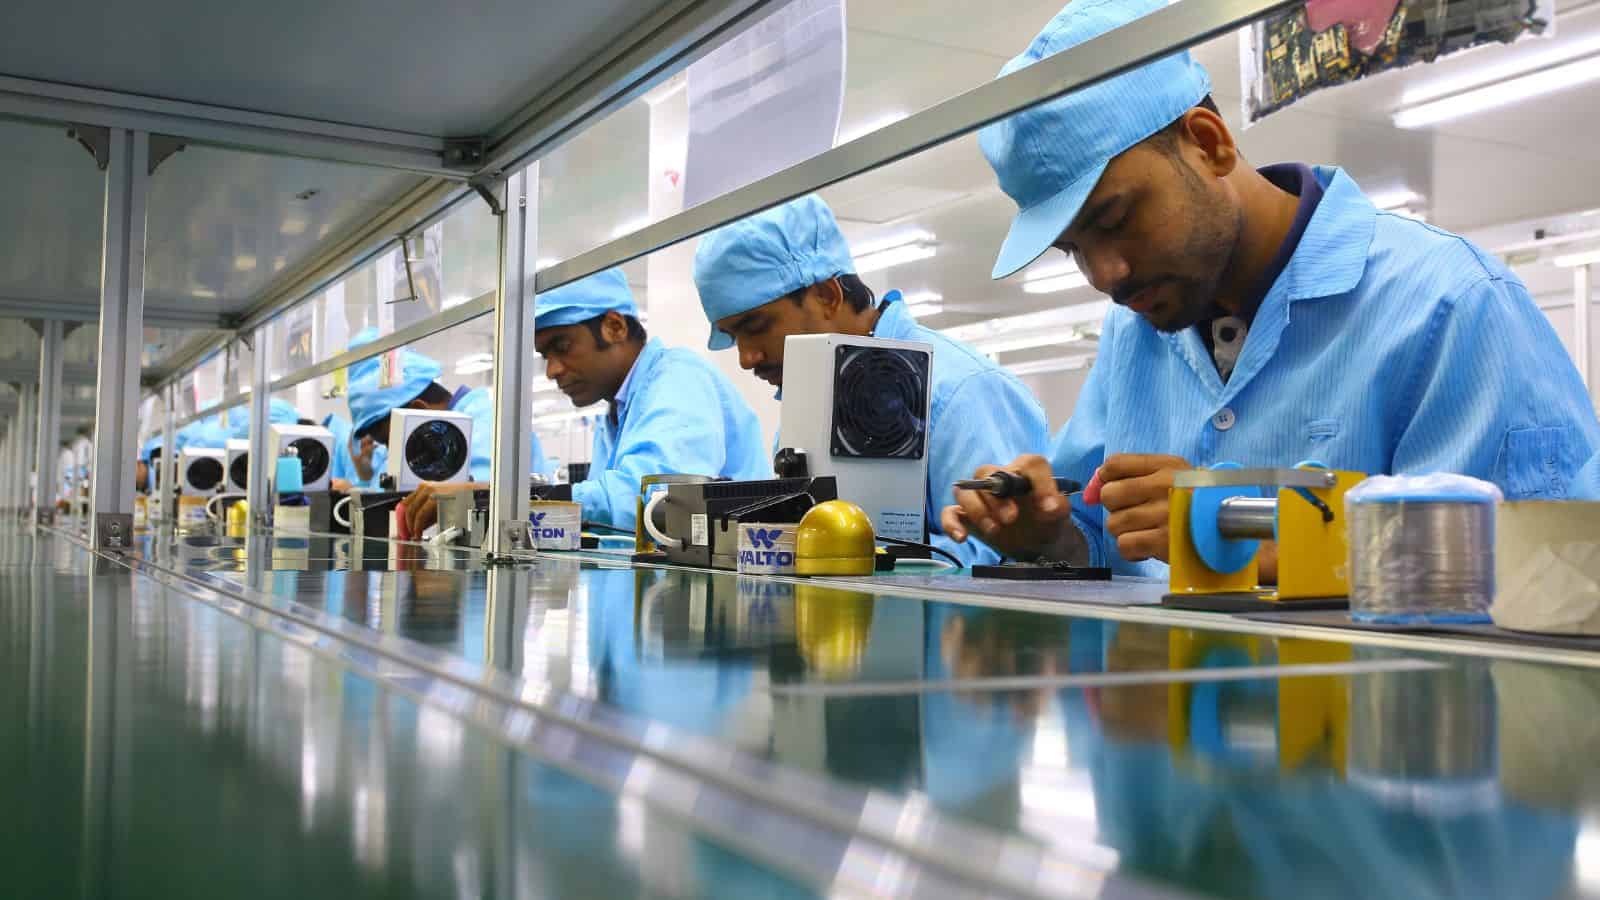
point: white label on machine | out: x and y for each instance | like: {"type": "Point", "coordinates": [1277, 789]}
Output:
{"type": "Point", "coordinates": [899, 523]}
{"type": "Point", "coordinates": [191, 511]}
{"type": "Point", "coordinates": [699, 530]}
{"type": "Point", "coordinates": [556, 525]}
{"type": "Point", "coordinates": [766, 549]}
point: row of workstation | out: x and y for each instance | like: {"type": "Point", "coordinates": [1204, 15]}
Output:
{"type": "Point", "coordinates": [1082, 743]}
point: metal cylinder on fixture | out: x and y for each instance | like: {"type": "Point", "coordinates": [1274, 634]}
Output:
{"type": "Point", "coordinates": [1248, 518]}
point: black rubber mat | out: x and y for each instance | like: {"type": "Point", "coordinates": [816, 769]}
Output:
{"type": "Point", "coordinates": [1249, 603]}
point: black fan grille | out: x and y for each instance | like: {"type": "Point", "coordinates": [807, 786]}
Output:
{"type": "Point", "coordinates": [205, 474]}
{"type": "Point", "coordinates": [880, 403]}
{"type": "Point", "coordinates": [436, 450]}
{"type": "Point", "coordinates": [314, 459]}
{"type": "Point", "coordinates": [239, 470]}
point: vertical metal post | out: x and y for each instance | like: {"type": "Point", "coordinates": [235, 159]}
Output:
{"type": "Point", "coordinates": [167, 503]}
{"type": "Point", "coordinates": [260, 466]}
{"type": "Point", "coordinates": [22, 463]}
{"type": "Point", "coordinates": [46, 480]}
{"type": "Point", "coordinates": [121, 337]}
{"type": "Point", "coordinates": [513, 364]}
{"type": "Point", "coordinates": [7, 452]}
{"type": "Point", "coordinates": [1582, 300]}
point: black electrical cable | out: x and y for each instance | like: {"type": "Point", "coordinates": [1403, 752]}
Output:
{"type": "Point", "coordinates": [899, 542]}
{"type": "Point", "coordinates": [601, 526]}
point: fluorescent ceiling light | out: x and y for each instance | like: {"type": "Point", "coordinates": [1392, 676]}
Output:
{"type": "Point", "coordinates": [454, 300]}
{"type": "Point", "coordinates": [1045, 366]}
{"type": "Point", "coordinates": [1055, 283]}
{"type": "Point", "coordinates": [1531, 76]}
{"type": "Point", "coordinates": [473, 368]}
{"type": "Point", "coordinates": [895, 256]}
{"type": "Point", "coordinates": [1054, 338]}
{"type": "Point", "coordinates": [1060, 275]}
{"type": "Point", "coordinates": [846, 135]}
{"type": "Point", "coordinates": [1028, 323]}
{"type": "Point", "coordinates": [919, 298]}
{"type": "Point", "coordinates": [1573, 260]}
{"type": "Point", "coordinates": [628, 227]}
{"type": "Point", "coordinates": [545, 262]}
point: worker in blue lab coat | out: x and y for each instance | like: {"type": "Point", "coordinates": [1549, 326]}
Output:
{"type": "Point", "coordinates": [343, 473]}
{"type": "Point", "coordinates": [279, 412]}
{"type": "Point", "coordinates": [669, 410]}
{"type": "Point", "coordinates": [416, 387]}
{"type": "Point", "coordinates": [208, 432]}
{"type": "Point", "coordinates": [1262, 317]}
{"type": "Point", "coordinates": [789, 271]}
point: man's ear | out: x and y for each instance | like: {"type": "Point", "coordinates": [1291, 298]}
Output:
{"type": "Point", "coordinates": [614, 327]}
{"type": "Point", "coordinates": [1206, 132]}
{"type": "Point", "coordinates": [830, 295]}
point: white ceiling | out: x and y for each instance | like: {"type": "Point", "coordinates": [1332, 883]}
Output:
{"type": "Point", "coordinates": [1515, 169]}
{"type": "Point", "coordinates": [439, 69]}
{"type": "Point", "coordinates": [222, 223]}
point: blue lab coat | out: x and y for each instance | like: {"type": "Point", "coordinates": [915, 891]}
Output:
{"type": "Point", "coordinates": [478, 404]}
{"type": "Point", "coordinates": [674, 414]}
{"type": "Point", "coordinates": [979, 413]}
{"type": "Point", "coordinates": [1385, 346]}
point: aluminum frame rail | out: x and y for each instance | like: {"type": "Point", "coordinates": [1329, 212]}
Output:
{"type": "Point", "coordinates": [46, 483]}
{"type": "Point", "coordinates": [116, 420]}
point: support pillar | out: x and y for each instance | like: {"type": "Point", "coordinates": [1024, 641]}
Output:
{"type": "Point", "coordinates": [167, 502]}
{"type": "Point", "coordinates": [260, 466]}
{"type": "Point", "coordinates": [127, 175]}
{"type": "Point", "coordinates": [46, 480]}
{"type": "Point", "coordinates": [514, 365]}
{"type": "Point", "coordinates": [27, 412]}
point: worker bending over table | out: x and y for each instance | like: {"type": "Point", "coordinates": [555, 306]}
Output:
{"type": "Point", "coordinates": [667, 409]}
{"type": "Point", "coordinates": [788, 271]}
{"type": "Point", "coordinates": [416, 387]}
{"type": "Point", "coordinates": [1263, 317]}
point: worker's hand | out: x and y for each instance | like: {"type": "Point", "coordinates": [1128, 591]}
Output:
{"type": "Point", "coordinates": [340, 485]}
{"type": "Point", "coordinates": [422, 506]}
{"type": "Point", "coordinates": [1134, 493]}
{"type": "Point", "coordinates": [361, 452]}
{"type": "Point", "coordinates": [1035, 524]}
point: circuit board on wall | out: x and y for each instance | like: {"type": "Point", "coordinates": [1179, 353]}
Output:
{"type": "Point", "coordinates": [1287, 58]}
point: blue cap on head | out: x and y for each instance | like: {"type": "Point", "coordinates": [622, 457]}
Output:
{"type": "Point", "coordinates": [153, 443]}
{"type": "Point", "coordinates": [1048, 158]}
{"type": "Point", "coordinates": [758, 259]}
{"type": "Point", "coordinates": [279, 412]}
{"type": "Point", "coordinates": [207, 432]}
{"type": "Point", "coordinates": [369, 400]}
{"type": "Point", "coordinates": [585, 299]}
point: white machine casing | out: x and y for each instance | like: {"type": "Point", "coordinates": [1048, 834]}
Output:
{"type": "Point", "coordinates": [237, 447]}
{"type": "Point", "coordinates": [281, 436]}
{"type": "Point", "coordinates": [403, 423]}
{"type": "Point", "coordinates": [891, 489]}
{"type": "Point", "coordinates": [189, 458]}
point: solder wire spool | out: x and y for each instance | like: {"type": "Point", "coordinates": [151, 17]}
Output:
{"type": "Point", "coordinates": [1422, 549]}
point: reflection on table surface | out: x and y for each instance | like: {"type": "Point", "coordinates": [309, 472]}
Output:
{"type": "Point", "coordinates": [1472, 779]}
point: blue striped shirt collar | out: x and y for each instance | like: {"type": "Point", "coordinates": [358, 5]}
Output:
{"type": "Point", "coordinates": [1332, 255]}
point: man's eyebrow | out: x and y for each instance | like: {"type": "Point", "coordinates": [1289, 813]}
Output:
{"type": "Point", "coordinates": [743, 321]}
{"type": "Point", "coordinates": [1092, 214]}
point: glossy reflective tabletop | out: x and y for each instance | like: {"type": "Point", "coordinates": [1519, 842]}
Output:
{"type": "Point", "coordinates": [288, 716]}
